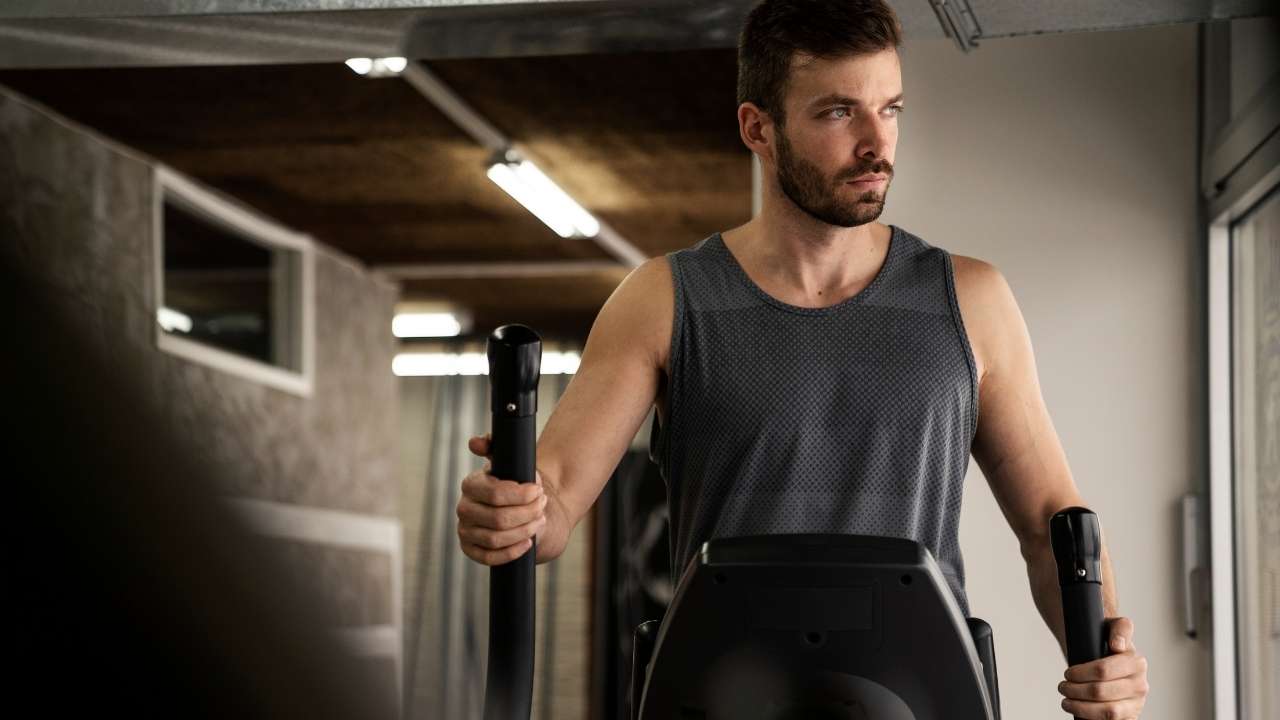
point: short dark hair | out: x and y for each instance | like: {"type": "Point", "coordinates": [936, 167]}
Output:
{"type": "Point", "coordinates": [775, 30]}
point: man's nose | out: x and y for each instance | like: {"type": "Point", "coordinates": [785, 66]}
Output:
{"type": "Point", "coordinates": [874, 140]}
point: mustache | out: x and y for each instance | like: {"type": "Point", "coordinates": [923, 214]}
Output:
{"type": "Point", "coordinates": [879, 169]}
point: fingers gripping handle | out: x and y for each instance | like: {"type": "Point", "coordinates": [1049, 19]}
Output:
{"type": "Point", "coordinates": [515, 358]}
{"type": "Point", "coordinates": [1076, 535]}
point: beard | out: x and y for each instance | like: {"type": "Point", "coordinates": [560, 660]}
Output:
{"type": "Point", "coordinates": [822, 199]}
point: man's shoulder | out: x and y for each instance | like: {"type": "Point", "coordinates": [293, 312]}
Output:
{"type": "Point", "coordinates": [974, 272]}
{"type": "Point", "coordinates": [641, 309]}
{"type": "Point", "coordinates": [982, 290]}
{"type": "Point", "coordinates": [987, 307]}
{"type": "Point", "coordinates": [649, 278]}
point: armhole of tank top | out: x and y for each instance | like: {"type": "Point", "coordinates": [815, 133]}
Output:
{"type": "Point", "coordinates": [673, 359]}
{"type": "Point", "coordinates": [958, 322]}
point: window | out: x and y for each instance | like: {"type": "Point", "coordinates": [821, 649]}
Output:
{"type": "Point", "coordinates": [233, 290]}
{"type": "Point", "coordinates": [1255, 376]}
{"type": "Point", "coordinates": [1244, 424]}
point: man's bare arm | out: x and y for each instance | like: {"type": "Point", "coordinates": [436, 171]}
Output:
{"type": "Point", "coordinates": [607, 399]}
{"type": "Point", "coordinates": [1016, 445]}
{"type": "Point", "coordinates": [594, 421]}
{"type": "Point", "coordinates": [1020, 454]}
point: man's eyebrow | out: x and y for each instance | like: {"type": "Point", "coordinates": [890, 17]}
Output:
{"type": "Point", "coordinates": [838, 99]}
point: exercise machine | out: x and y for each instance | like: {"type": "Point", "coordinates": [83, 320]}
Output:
{"type": "Point", "coordinates": [780, 627]}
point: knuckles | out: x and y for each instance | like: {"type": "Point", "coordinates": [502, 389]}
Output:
{"type": "Point", "coordinates": [504, 519]}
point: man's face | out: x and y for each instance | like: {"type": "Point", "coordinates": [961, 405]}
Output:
{"type": "Point", "coordinates": [841, 123]}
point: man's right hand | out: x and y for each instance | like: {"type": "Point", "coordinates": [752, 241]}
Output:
{"type": "Point", "coordinates": [498, 519]}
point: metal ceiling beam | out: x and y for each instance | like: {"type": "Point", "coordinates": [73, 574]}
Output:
{"type": "Point", "coordinates": [190, 8]}
{"type": "Point", "coordinates": [42, 33]}
{"type": "Point", "coordinates": [260, 39]}
{"type": "Point", "coordinates": [119, 33]}
{"type": "Point", "coordinates": [454, 107]}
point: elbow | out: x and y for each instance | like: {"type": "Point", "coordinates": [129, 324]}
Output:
{"type": "Point", "coordinates": [1035, 545]}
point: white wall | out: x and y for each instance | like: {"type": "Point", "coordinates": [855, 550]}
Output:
{"type": "Point", "coordinates": [1068, 161]}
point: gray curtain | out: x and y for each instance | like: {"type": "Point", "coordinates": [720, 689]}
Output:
{"type": "Point", "coordinates": [446, 608]}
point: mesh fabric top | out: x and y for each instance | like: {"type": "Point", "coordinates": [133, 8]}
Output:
{"type": "Point", "coordinates": [854, 418]}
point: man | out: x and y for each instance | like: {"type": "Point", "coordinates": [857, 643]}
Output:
{"type": "Point", "coordinates": [814, 370]}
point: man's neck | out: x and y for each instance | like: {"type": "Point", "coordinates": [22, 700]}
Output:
{"type": "Point", "coordinates": [805, 262]}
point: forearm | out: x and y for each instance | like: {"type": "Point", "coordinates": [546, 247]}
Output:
{"type": "Point", "coordinates": [560, 523]}
{"type": "Point", "coordinates": [1042, 571]}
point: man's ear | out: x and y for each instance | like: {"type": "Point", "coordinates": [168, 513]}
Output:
{"type": "Point", "coordinates": [756, 129]}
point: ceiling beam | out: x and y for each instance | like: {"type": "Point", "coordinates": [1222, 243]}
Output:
{"type": "Point", "coordinates": [43, 33]}
{"type": "Point", "coordinates": [454, 107]}
{"type": "Point", "coordinates": [193, 8]}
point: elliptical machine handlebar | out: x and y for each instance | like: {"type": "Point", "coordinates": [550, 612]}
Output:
{"type": "Point", "coordinates": [515, 359]}
{"type": "Point", "coordinates": [1076, 536]}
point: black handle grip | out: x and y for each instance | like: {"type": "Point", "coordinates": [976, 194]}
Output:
{"type": "Point", "coordinates": [515, 358]}
{"type": "Point", "coordinates": [1076, 535]}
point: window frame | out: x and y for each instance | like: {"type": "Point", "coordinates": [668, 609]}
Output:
{"type": "Point", "coordinates": [1224, 520]}
{"type": "Point", "coordinates": [251, 226]}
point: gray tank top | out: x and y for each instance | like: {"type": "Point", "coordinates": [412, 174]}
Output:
{"type": "Point", "coordinates": [854, 418]}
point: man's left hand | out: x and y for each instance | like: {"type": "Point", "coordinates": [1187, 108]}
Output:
{"type": "Point", "coordinates": [1109, 688]}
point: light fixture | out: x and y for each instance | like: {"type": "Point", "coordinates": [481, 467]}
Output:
{"type": "Point", "coordinates": [378, 67]}
{"type": "Point", "coordinates": [426, 324]}
{"type": "Point", "coordinates": [172, 320]}
{"type": "Point", "coordinates": [522, 180]}
{"type": "Point", "coordinates": [473, 363]}
{"type": "Point", "coordinates": [430, 318]}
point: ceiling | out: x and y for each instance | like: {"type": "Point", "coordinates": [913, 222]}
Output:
{"type": "Point", "coordinates": [629, 106]}
{"type": "Point", "coordinates": [372, 168]}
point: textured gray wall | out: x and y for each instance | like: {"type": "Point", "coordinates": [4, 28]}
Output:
{"type": "Point", "coordinates": [79, 209]}
{"type": "Point", "coordinates": [76, 209]}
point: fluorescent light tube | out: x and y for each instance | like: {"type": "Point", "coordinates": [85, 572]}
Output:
{"type": "Point", "coordinates": [506, 178]}
{"type": "Point", "coordinates": [378, 67]}
{"type": "Point", "coordinates": [439, 364]}
{"type": "Point", "coordinates": [360, 66]}
{"type": "Point", "coordinates": [172, 320]}
{"type": "Point", "coordinates": [557, 198]}
{"type": "Point", "coordinates": [542, 197]}
{"type": "Point", "coordinates": [415, 325]}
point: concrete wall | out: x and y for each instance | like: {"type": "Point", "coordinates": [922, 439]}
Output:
{"type": "Point", "coordinates": [1069, 161]}
{"type": "Point", "coordinates": [75, 209]}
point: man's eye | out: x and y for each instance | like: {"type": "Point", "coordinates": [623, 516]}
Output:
{"type": "Point", "coordinates": [839, 109]}
{"type": "Point", "coordinates": [899, 109]}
